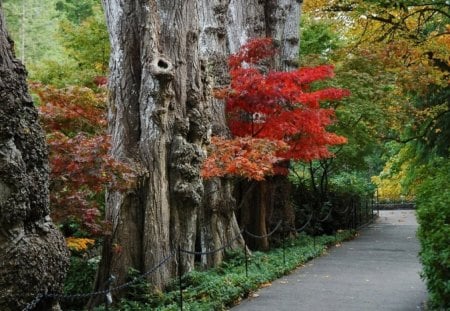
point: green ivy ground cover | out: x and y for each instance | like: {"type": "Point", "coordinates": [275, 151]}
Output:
{"type": "Point", "coordinates": [223, 286]}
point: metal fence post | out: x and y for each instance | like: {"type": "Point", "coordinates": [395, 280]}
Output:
{"type": "Point", "coordinates": [245, 253]}
{"type": "Point", "coordinates": [284, 247]}
{"type": "Point", "coordinates": [314, 229]}
{"type": "Point", "coordinates": [179, 278]}
{"type": "Point", "coordinates": [108, 295]}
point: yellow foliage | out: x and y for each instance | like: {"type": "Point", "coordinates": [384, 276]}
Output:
{"type": "Point", "coordinates": [390, 182]}
{"type": "Point", "coordinates": [79, 244]}
{"type": "Point", "coordinates": [312, 5]}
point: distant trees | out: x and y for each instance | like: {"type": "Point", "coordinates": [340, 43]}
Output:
{"type": "Point", "coordinates": [33, 27]}
{"type": "Point", "coordinates": [63, 42]}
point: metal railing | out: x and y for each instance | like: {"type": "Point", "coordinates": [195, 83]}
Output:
{"type": "Point", "coordinates": [359, 216]}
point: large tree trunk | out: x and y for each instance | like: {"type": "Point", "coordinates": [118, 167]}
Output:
{"type": "Point", "coordinates": [158, 122]}
{"type": "Point", "coordinates": [167, 57]}
{"type": "Point", "coordinates": [218, 226]}
{"type": "Point", "coordinates": [33, 255]}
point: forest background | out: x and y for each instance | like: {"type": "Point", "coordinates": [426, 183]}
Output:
{"type": "Point", "coordinates": [393, 56]}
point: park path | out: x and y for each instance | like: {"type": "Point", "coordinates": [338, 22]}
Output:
{"type": "Point", "coordinates": [379, 270]}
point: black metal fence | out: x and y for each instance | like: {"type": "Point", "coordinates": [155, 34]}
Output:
{"type": "Point", "coordinates": [396, 206]}
{"type": "Point", "coordinates": [359, 214]}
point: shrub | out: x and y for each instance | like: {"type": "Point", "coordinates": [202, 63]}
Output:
{"type": "Point", "coordinates": [79, 279]}
{"type": "Point", "coordinates": [433, 202]}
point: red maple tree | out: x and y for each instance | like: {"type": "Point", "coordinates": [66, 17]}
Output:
{"type": "Point", "coordinates": [81, 168]}
{"type": "Point", "coordinates": [272, 110]}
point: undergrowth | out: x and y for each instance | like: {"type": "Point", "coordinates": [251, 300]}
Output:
{"type": "Point", "coordinates": [227, 284]}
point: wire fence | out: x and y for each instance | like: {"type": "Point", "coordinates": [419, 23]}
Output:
{"type": "Point", "coordinates": [359, 217]}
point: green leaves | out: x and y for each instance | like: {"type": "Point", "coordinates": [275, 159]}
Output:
{"type": "Point", "coordinates": [433, 202]}
{"type": "Point", "coordinates": [76, 11]}
{"type": "Point", "coordinates": [318, 39]}
{"type": "Point", "coordinates": [87, 41]}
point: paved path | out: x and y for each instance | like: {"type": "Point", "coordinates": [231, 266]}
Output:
{"type": "Point", "coordinates": [379, 270]}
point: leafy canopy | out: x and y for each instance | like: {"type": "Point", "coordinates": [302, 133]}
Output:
{"type": "Point", "coordinates": [279, 108]}
{"type": "Point", "coordinates": [81, 169]}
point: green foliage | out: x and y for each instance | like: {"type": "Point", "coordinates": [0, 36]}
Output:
{"type": "Point", "coordinates": [86, 47]}
{"type": "Point", "coordinates": [61, 42]}
{"type": "Point", "coordinates": [33, 25]}
{"type": "Point", "coordinates": [76, 11]}
{"type": "Point", "coordinates": [318, 38]}
{"type": "Point", "coordinates": [433, 126]}
{"type": "Point", "coordinates": [433, 202]}
{"type": "Point", "coordinates": [61, 73]}
{"type": "Point", "coordinates": [319, 178]}
{"type": "Point", "coordinates": [87, 42]}
{"type": "Point", "coordinates": [79, 279]}
{"type": "Point", "coordinates": [227, 284]}
{"type": "Point", "coordinates": [363, 117]}
{"type": "Point", "coordinates": [356, 183]}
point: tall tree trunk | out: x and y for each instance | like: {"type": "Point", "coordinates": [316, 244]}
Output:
{"type": "Point", "coordinates": [167, 57]}
{"type": "Point", "coordinates": [158, 122]}
{"type": "Point", "coordinates": [217, 224]}
{"type": "Point", "coordinates": [33, 255]}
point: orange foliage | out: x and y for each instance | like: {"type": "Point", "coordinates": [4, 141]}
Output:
{"type": "Point", "coordinates": [248, 157]}
{"type": "Point", "coordinates": [81, 167]}
{"type": "Point", "coordinates": [79, 244]}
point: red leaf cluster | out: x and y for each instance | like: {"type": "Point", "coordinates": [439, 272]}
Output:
{"type": "Point", "coordinates": [253, 52]}
{"type": "Point", "coordinates": [252, 158]}
{"type": "Point", "coordinates": [100, 81]}
{"type": "Point", "coordinates": [277, 106]}
{"type": "Point", "coordinates": [81, 167]}
{"type": "Point", "coordinates": [73, 109]}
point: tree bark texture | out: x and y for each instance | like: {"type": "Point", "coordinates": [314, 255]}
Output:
{"type": "Point", "coordinates": [33, 255]}
{"type": "Point", "coordinates": [167, 57]}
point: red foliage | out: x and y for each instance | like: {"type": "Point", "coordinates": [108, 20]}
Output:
{"type": "Point", "coordinates": [74, 109]}
{"type": "Point", "coordinates": [249, 157]}
{"type": "Point", "coordinates": [81, 168]}
{"type": "Point", "coordinates": [253, 52]}
{"type": "Point", "coordinates": [278, 106]}
{"type": "Point", "coordinates": [100, 81]}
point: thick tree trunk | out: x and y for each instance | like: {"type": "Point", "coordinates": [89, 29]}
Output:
{"type": "Point", "coordinates": [218, 226]}
{"type": "Point", "coordinates": [159, 123]}
{"type": "Point", "coordinates": [33, 255]}
{"type": "Point", "coordinates": [244, 20]}
{"type": "Point", "coordinates": [167, 57]}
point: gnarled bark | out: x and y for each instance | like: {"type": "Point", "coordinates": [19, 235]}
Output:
{"type": "Point", "coordinates": [33, 255]}
{"type": "Point", "coordinates": [167, 57]}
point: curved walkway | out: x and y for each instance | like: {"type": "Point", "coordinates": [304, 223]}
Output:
{"type": "Point", "coordinates": [379, 270]}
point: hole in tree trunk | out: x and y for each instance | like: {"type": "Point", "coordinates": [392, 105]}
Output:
{"type": "Point", "coordinates": [163, 64]}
